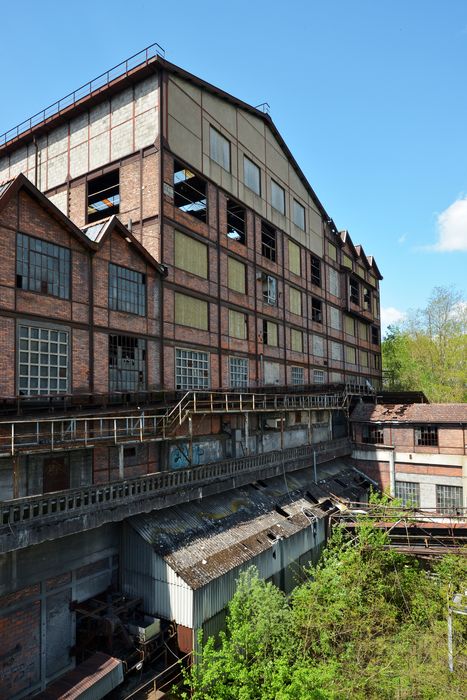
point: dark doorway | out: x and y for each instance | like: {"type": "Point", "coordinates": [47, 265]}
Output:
{"type": "Point", "coordinates": [55, 474]}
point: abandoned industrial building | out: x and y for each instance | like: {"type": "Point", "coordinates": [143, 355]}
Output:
{"type": "Point", "coordinates": [184, 333]}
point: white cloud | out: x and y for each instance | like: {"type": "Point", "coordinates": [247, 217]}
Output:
{"type": "Point", "coordinates": [452, 227]}
{"type": "Point", "coordinates": [389, 316]}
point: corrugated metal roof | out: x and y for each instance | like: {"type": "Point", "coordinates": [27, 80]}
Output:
{"type": "Point", "coordinates": [411, 413]}
{"type": "Point", "coordinates": [91, 680]}
{"type": "Point", "coordinates": [203, 540]}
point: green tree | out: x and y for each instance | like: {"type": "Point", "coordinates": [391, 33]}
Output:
{"type": "Point", "coordinates": [368, 623]}
{"type": "Point", "coordinates": [428, 351]}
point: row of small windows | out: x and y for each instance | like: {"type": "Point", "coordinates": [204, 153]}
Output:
{"type": "Point", "coordinates": [45, 268]}
{"type": "Point", "coordinates": [220, 152]}
{"type": "Point", "coordinates": [424, 436]}
{"type": "Point", "coordinates": [447, 497]}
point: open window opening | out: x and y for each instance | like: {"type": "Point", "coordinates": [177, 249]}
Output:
{"type": "Point", "coordinates": [236, 221]}
{"type": "Point", "coordinates": [103, 196]}
{"type": "Point", "coordinates": [374, 335]}
{"type": "Point", "coordinates": [367, 299]}
{"type": "Point", "coordinates": [316, 310]}
{"type": "Point", "coordinates": [268, 241]}
{"type": "Point", "coordinates": [354, 291]}
{"type": "Point", "coordinates": [373, 435]}
{"type": "Point", "coordinates": [189, 192]}
{"type": "Point", "coordinates": [426, 436]}
{"type": "Point", "coordinates": [315, 271]}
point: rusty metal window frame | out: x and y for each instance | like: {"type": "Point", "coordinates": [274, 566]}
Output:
{"type": "Point", "coordinates": [127, 290]}
{"type": "Point", "coordinates": [42, 266]}
{"type": "Point", "coordinates": [426, 436]}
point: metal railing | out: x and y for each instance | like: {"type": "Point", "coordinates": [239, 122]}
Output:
{"type": "Point", "coordinates": [24, 435]}
{"type": "Point", "coordinates": [75, 501]}
{"type": "Point", "coordinates": [138, 59]}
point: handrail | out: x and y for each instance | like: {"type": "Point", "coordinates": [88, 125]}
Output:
{"type": "Point", "coordinates": [72, 98]}
{"type": "Point", "coordinates": [50, 434]}
{"type": "Point", "coordinates": [73, 501]}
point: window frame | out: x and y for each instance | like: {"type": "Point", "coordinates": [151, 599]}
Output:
{"type": "Point", "coordinates": [222, 141]}
{"type": "Point", "coordinates": [266, 333]}
{"type": "Point", "coordinates": [19, 261]}
{"type": "Point", "coordinates": [316, 311]}
{"type": "Point", "coordinates": [267, 230]}
{"type": "Point", "coordinates": [235, 231]}
{"type": "Point", "coordinates": [184, 386]}
{"type": "Point", "coordinates": [201, 213]}
{"type": "Point", "coordinates": [258, 169]}
{"type": "Point", "coordinates": [373, 434]}
{"type": "Point", "coordinates": [243, 361]}
{"type": "Point", "coordinates": [316, 271]}
{"type": "Point", "coordinates": [414, 498]}
{"type": "Point", "coordinates": [142, 364]}
{"type": "Point", "coordinates": [270, 282]}
{"type": "Point", "coordinates": [277, 192]}
{"type": "Point", "coordinates": [443, 496]}
{"type": "Point", "coordinates": [140, 298]}
{"type": "Point", "coordinates": [426, 436]}
{"type": "Point", "coordinates": [48, 328]}
{"type": "Point", "coordinates": [108, 211]}
{"type": "Point", "coordinates": [301, 371]}
{"type": "Point", "coordinates": [297, 207]}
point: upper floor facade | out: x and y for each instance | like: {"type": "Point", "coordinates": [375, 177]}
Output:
{"type": "Point", "coordinates": [261, 288]}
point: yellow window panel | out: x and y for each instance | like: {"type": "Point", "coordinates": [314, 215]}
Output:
{"type": "Point", "coordinates": [191, 255]}
{"type": "Point", "coordinates": [236, 276]}
{"type": "Point", "coordinates": [191, 312]}
{"type": "Point", "coordinates": [294, 258]}
{"type": "Point", "coordinates": [237, 325]}
{"type": "Point", "coordinates": [295, 298]}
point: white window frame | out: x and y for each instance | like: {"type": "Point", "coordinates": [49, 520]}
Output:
{"type": "Point", "coordinates": [49, 362]}
{"type": "Point", "coordinates": [199, 379]}
{"type": "Point", "coordinates": [238, 372]}
{"type": "Point", "coordinates": [270, 290]}
{"type": "Point", "coordinates": [297, 376]}
{"type": "Point", "coordinates": [318, 376]}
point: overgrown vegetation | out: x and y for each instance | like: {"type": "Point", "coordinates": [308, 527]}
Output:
{"type": "Point", "coordinates": [368, 623]}
{"type": "Point", "coordinates": [428, 351]}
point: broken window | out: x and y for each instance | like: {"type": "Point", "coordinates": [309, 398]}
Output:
{"type": "Point", "coordinates": [127, 290]}
{"type": "Point", "coordinates": [373, 434]}
{"type": "Point", "coordinates": [236, 215]}
{"type": "Point", "coordinates": [127, 363]}
{"type": "Point", "coordinates": [315, 271]}
{"type": "Point", "coordinates": [367, 298]}
{"type": "Point", "coordinates": [103, 196]}
{"type": "Point", "coordinates": [374, 335]}
{"type": "Point", "coordinates": [219, 148]}
{"type": "Point", "coordinates": [316, 310]}
{"type": "Point", "coordinates": [354, 291]}
{"type": "Point", "coordinates": [426, 436]}
{"type": "Point", "coordinates": [42, 267]}
{"type": "Point", "coordinates": [268, 241]}
{"type": "Point", "coordinates": [252, 175]}
{"type": "Point", "coordinates": [189, 192]}
{"type": "Point", "coordinates": [270, 290]}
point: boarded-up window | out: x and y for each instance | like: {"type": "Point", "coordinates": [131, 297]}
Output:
{"type": "Point", "coordinates": [318, 346]}
{"type": "Point", "coordinates": [237, 324]}
{"type": "Point", "coordinates": [295, 298]}
{"type": "Point", "coordinates": [236, 276]}
{"type": "Point", "coordinates": [363, 358]}
{"type": "Point", "coordinates": [336, 351]}
{"type": "Point", "coordinates": [335, 318]}
{"type": "Point", "coordinates": [191, 255]}
{"type": "Point", "coordinates": [270, 333]}
{"type": "Point", "coordinates": [296, 340]}
{"type": "Point", "coordinates": [333, 282]}
{"type": "Point", "coordinates": [191, 312]}
{"type": "Point", "coordinates": [332, 251]}
{"type": "Point", "coordinates": [346, 261]}
{"type": "Point", "coordinates": [349, 324]}
{"type": "Point", "coordinates": [294, 258]}
{"type": "Point", "coordinates": [362, 331]}
{"type": "Point", "coordinates": [350, 355]}
{"type": "Point", "coordinates": [361, 271]}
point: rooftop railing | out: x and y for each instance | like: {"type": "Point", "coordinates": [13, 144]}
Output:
{"type": "Point", "coordinates": [138, 59]}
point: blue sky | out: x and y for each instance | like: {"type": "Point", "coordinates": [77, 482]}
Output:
{"type": "Point", "coordinates": [370, 95]}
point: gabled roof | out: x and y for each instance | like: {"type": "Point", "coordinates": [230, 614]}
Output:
{"type": "Point", "coordinates": [410, 413]}
{"type": "Point", "coordinates": [10, 189]}
{"type": "Point", "coordinates": [98, 233]}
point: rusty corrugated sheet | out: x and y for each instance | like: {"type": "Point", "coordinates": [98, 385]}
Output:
{"type": "Point", "coordinates": [91, 680]}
